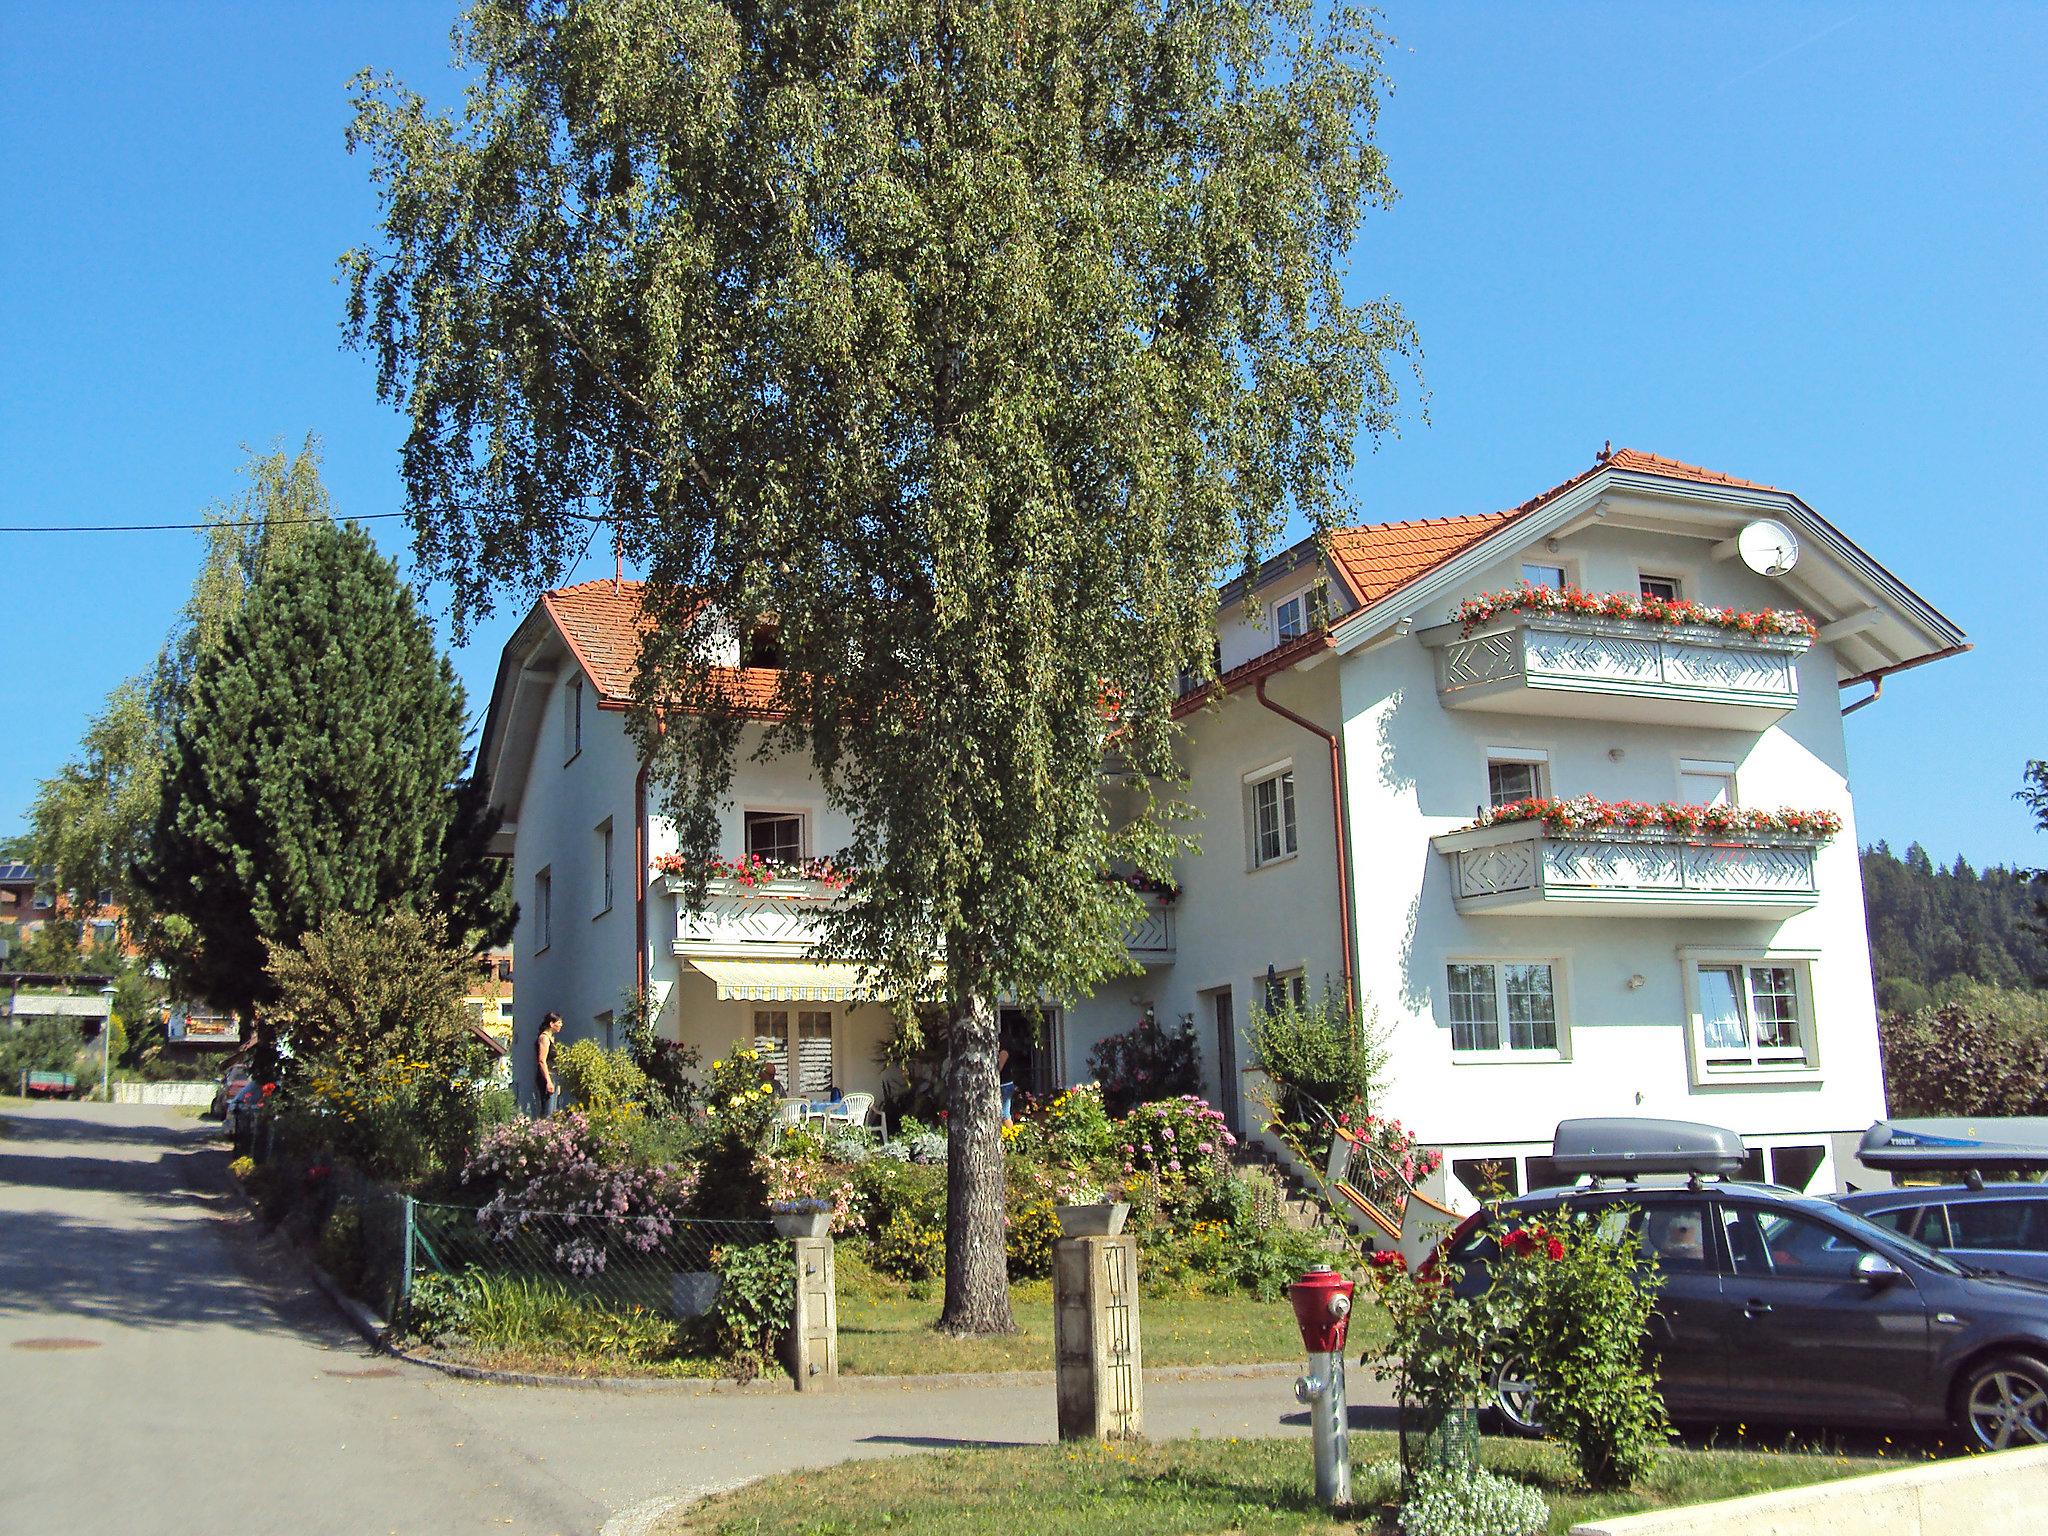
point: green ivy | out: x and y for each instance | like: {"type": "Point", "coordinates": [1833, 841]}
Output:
{"type": "Point", "coordinates": [756, 1303]}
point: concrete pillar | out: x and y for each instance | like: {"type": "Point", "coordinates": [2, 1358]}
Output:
{"type": "Point", "coordinates": [814, 1332]}
{"type": "Point", "coordinates": [1095, 1338]}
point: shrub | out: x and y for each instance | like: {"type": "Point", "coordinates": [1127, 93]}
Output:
{"type": "Point", "coordinates": [884, 1188]}
{"type": "Point", "coordinates": [565, 1182]}
{"type": "Point", "coordinates": [361, 991]}
{"type": "Point", "coordinates": [909, 1249]}
{"type": "Point", "coordinates": [921, 1145]}
{"type": "Point", "coordinates": [756, 1302]}
{"type": "Point", "coordinates": [1964, 1059]}
{"type": "Point", "coordinates": [1029, 1221]}
{"type": "Point", "coordinates": [1471, 1502]}
{"type": "Point", "coordinates": [1586, 1305]}
{"type": "Point", "coordinates": [400, 1121]}
{"type": "Point", "coordinates": [526, 1313]}
{"type": "Point", "coordinates": [740, 1097]}
{"type": "Point", "coordinates": [341, 1243]}
{"type": "Point", "coordinates": [242, 1167]}
{"type": "Point", "coordinates": [46, 1045]}
{"type": "Point", "coordinates": [1146, 1062]}
{"type": "Point", "coordinates": [1386, 1164]}
{"type": "Point", "coordinates": [797, 1171]}
{"type": "Point", "coordinates": [1319, 1050]}
{"type": "Point", "coordinates": [1182, 1142]}
{"type": "Point", "coordinates": [1076, 1126]}
{"type": "Point", "coordinates": [599, 1081]}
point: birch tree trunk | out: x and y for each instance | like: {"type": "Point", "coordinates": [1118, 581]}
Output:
{"type": "Point", "coordinates": [977, 1272]}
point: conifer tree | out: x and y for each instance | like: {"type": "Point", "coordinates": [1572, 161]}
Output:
{"type": "Point", "coordinates": [313, 769]}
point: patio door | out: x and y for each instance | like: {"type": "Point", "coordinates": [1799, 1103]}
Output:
{"type": "Point", "coordinates": [1228, 1082]}
{"type": "Point", "coordinates": [808, 1051]}
{"type": "Point", "coordinates": [1031, 1036]}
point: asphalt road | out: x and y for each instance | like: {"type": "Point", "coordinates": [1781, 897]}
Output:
{"type": "Point", "coordinates": [165, 1369]}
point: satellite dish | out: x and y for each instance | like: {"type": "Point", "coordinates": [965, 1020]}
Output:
{"type": "Point", "coordinates": [1767, 547]}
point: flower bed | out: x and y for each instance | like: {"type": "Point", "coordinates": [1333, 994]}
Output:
{"type": "Point", "coordinates": [750, 870]}
{"type": "Point", "coordinates": [1571, 602]}
{"type": "Point", "coordinates": [1587, 814]}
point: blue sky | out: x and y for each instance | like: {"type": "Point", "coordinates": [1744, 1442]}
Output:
{"type": "Point", "coordinates": [1799, 243]}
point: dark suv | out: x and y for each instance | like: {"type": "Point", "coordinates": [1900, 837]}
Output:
{"type": "Point", "coordinates": [1775, 1306]}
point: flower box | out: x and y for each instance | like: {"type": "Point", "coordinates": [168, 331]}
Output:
{"type": "Point", "coordinates": [802, 1218]}
{"type": "Point", "coordinates": [1102, 1219]}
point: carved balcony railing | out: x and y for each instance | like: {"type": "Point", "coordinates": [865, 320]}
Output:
{"type": "Point", "coordinates": [1151, 939]}
{"type": "Point", "coordinates": [1617, 669]}
{"type": "Point", "coordinates": [1526, 869]}
{"type": "Point", "coordinates": [769, 918]}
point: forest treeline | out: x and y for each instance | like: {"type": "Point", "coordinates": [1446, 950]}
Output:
{"type": "Point", "coordinates": [1936, 928]}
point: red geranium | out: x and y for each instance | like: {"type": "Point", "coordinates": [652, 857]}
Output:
{"type": "Point", "coordinates": [1527, 1242]}
{"type": "Point", "coordinates": [1386, 1258]}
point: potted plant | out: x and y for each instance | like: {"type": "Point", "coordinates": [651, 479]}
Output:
{"type": "Point", "coordinates": [801, 1218]}
{"type": "Point", "coordinates": [1089, 1211]}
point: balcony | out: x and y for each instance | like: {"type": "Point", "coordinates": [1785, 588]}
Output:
{"type": "Point", "coordinates": [770, 918]}
{"type": "Point", "coordinates": [1617, 669]}
{"type": "Point", "coordinates": [1151, 940]}
{"type": "Point", "coordinates": [1527, 869]}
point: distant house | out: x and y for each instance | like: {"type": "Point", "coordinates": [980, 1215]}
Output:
{"type": "Point", "coordinates": [34, 997]}
{"type": "Point", "coordinates": [1560, 792]}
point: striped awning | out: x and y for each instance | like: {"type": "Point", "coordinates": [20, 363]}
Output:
{"type": "Point", "coordinates": [778, 981]}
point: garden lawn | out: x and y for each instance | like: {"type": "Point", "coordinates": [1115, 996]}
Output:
{"type": "Point", "coordinates": [1184, 1488]}
{"type": "Point", "coordinates": [885, 1329]}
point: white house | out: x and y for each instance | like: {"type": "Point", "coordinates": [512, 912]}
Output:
{"type": "Point", "coordinates": [1526, 971]}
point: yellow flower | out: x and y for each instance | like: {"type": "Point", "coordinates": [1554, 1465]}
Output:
{"type": "Point", "coordinates": [716, 1065]}
{"type": "Point", "coordinates": [765, 1088]}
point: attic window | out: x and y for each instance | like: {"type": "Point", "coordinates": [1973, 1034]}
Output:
{"type": "Point", "coordinates": [763, 646]}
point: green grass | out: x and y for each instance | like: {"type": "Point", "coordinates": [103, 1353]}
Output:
{"type": "Point", "coordinates": [1184, 1488]}
{"type": "Point", "coordinates": [886, 1329]}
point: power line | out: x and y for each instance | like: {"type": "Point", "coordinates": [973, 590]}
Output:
{"type": "Point", "coordinates": [273, 522]}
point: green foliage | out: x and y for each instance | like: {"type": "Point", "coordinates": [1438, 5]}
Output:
{"type": "Point", "coordinates": [756, 1301]}
{"type": "Point", "coordinates": [1030, 369]}
{"type": "Point", "coordinates": [358, 991]}
{"type": "Point", "coordinates": [1469, 1501]}
{"type": "Point", "coordinates": [341, 1244]}
{"type": "Point", "coordinates": [91, 820]}
{"type": "Point", "coordinates": [533, 1315]}
{"type": "Point", "coordinates": [909, 1249]}
{"type": "Point", "coordinates": [311, 770]}
{"type": "Point", "coordinates": [671, 1066]}
{"type": "Point", "coordinates": [1320, 1050]}
{"type": "Point", "coordinates": [1958, 1060]}
{"type": "Point", "coordinates": [1931, 925]}
{"type": "Point", "coordinates": [1586, 1296]}
{"type": "Point", "coordinates": [1076, 1126]}
{"type": "Point", "coordinates": [1029, 1227]}
{"type": "Point", "coordinates": [45, 1045]}
{"type": "Point", "coordinates": [1439, 1345]}
{"type": "Point", "coordinates": [600, 1081]}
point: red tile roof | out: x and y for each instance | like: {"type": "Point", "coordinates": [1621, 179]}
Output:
{"type": "Point", "coordinates": [1380, 558]}
{"type": "Point", "coordinates": [603, 624]}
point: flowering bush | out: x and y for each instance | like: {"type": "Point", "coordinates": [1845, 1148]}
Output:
{"type": "Point", "coordinates": [1476, 611]}
{"type": "Point", "coordinates": [793, 1172]}
{"type": "Point", "coordinates": [1469, 1501]}
{"type": "Point", "coordinates": [1075, 1126]}
{"type": "Point", "coordinates": [1386, 1163]}
{"type": "Point", "coordinates": [565, 1182]}
{"type": "Point", "coordinates": [909, 1249]}
{"type": "Point", "coordinates": [751, 870]}
{"type": "Point", "coordinates": [1183, 1142]}
{"type": "Point", "coordinates": [740, 1096]}
{"type": "Point", "coordinates": [1146, 1062]}
{"type": "Point", "coordinates": [1587, 814]}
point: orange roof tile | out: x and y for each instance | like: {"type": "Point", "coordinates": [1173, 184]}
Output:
{"type": "Point", "coordinates": [1380, 558]}
{"type": "Point", "coordinates": [603, 623]}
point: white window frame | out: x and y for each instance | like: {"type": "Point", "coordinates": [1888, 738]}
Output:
{"type": "Point", "coordinates": [605, 868]}
{"type": "Point", "coordinates": [1564, 568]}
{"type": "Point", "coordinates": [1695, 767]}
{"type": "Point", "coordinates": [1560, 997]}
{"type": "Point", "coordinates": [1675, 582]}
{"type": "Point", "coordinates": [793, 1016]}
{"type": "Point", "coordinates": [1287, 811]}
{"type": "Point", "coordinates": [572, 718]}
{"type": "Point", "coordinates": [1764, 1065]}
{"type": "Point", "coordinates": [801, 813]}
{"type": "Point", "coordinates": [544, 908]}
{"type": "Point", "coordinates": [1303, 617]}
{"type": "Point", "coordinates": [1534, 757]}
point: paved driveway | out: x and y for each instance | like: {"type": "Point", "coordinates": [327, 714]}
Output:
{"type": "Point", "coordinates": [161, 1371]}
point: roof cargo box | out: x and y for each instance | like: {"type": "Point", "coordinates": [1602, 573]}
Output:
{"type": "Point", "coordinates": [2010, 1146]}
{"type": "Point", "coordinates": [1625, 1146]}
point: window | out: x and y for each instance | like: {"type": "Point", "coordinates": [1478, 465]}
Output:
{"type": "Point", "coordinates": [1999, 1226]}
{"type": "Point", "coordinates": [602, 1030]}
{"type": "Point", "coordinates": [777, 836]}
{"type": "Point", "coordinates": [572, 718]}
{"type": "Point", "coordinates": [1521, 994]}
{"type": "Point", "coordinates": [604, 866]}
{"type": "Point", "coordinates": [543, 909]}
{"type": "Point", "coordinates": [1274, 835]}
{"type": "Point", "coordinates": [505, 1010]}
{"type": "Point", "coordinates": [1667, 589]}
{"type": "Point", "coordinates": [1488, 1177]}
{"type": "Point", "coordinates": [1290, 617]}
{"type": "Point", "coordinates": [1701, 783]}
{"type": "Point", "coordinates": [813, 1079]}
{"type": "Point", "coordinates": [1510, 780]}
{"type": "Point", "coordinates": [1788, 1246]}
{"type": "Point", "coordinates": [1794, 1167]}
{"type": "Point", "coordinates": [763, 647]}
{"type": "Point", "coordinates": [504, 968]}
{"type": "Point", "coordinates": [1676, 1232]}
{"type": "Point", "coordinates": [1551, 576]}
{"type": "Point", "coordinates": [1751, 1016]}
{"type": "Point", "coordinates": [1284, 989]}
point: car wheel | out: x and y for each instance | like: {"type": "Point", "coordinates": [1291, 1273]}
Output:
{"type": "Point", "coordinates": [2003, 1402]}
{"type": "Point", "coordinates": [1517, 1401]}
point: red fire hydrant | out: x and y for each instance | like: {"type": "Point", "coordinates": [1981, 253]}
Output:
{"type": "Point", "coordinates": [1322, 1306]}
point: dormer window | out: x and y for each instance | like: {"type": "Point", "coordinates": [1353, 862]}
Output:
{"type": "Point", "coordinates": [1290, 618]}
{"type": "Point", "coordinates": [763, 645]}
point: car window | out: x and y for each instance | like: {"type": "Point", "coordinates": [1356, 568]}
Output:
{"type": "Point", "coordinates": [1901, 1219]}
{"type": "Point", "coordinates": [1788, 1245]}
{"type": "Point", "coordinates": [1676, 1232]}
{"type": "Point", "coordinates": [2011, 1226]}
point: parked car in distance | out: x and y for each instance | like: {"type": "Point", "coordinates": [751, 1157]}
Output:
{"type": "Point", "coordinates": [2002, 1227]}
{"type": "Point", "coordinates": [1781, 1306]}
{"type": "Point", "coordinates": [236, 1075]}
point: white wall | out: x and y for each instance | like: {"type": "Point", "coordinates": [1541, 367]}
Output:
{"type": "Point", "coordinates": [1415, 769]}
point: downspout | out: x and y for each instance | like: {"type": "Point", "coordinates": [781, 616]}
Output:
{"type": "Point", "coordinates": [1337, 828]}
{"type": "Point", "coordinates": [1876, 693]}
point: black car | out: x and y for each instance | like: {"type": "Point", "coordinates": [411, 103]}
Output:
{"type": "Point", "coordinates": [2001, 1227]}
{"type": "Point", "coordinates": [1778, 1306]}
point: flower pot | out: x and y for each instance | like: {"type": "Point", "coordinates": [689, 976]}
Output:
{"type": "Point", "coordinates": [1104, 1219]}
{"type": "Point", "coordinates": [802, 1223]}
{"type": "Point", "coordinates": [694, 1292]}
